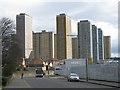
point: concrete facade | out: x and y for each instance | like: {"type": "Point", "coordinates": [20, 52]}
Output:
{"type": "Point", "coordinates": [24, 34]}
{"type": "Point", "coordinates": [0, 51]}
{"type": "Point", "coordinates": [95, 44]}
{"type": "Point", "coordinates": [101, 44]}
{"type": "Point", "coordinates": [1, 57]}
{"type": "Point", "coordinates": [43, 44]}
{"type": "Point", "coordinates": [55, 46]}
{"type": "Point", "coordinates": [107, 47]}
{"type": "Point", "coordinates": [74, 48]}
{"type": "Point", "coordinates": [64, 41]}
{"type": "Point", "coordinates": [85, 40]}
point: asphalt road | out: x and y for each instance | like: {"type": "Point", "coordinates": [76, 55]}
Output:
{"type": "Point", "coordinates": [48, 82]}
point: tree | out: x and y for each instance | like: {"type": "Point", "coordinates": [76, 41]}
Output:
{"type": "Point", "coordinates": [10, 50]}
{"type": "Point", "coordinates": [7, 28]}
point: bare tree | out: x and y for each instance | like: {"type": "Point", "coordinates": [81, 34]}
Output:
{"type": "Point", "coordinates": [7, 28]}
{"type": "Point", "coordinates": [10, 49]}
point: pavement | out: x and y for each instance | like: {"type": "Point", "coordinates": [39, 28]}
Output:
{"type": "Point", "coordinates": [17, 82]}
{"type": "Point", "coordinates": [105, 83]}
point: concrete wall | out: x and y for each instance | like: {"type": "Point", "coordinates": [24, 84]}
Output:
{"type": "Point", "coordinates": [108, 72]}
{"type": "Point", "coordinates": [26, 73]}
{"type": "Point", "coordinates": [31, 73]}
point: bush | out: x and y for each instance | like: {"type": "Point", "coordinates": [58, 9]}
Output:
{"type": "Point", "coordinates": [5, 80]}
{"type": "Point", "coordinates": [8, 70]}
{"type": "Point", "coordinates": [18, 68]}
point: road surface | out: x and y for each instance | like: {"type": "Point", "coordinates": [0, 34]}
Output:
{"type": "Point", "coordinates": [53, 82]}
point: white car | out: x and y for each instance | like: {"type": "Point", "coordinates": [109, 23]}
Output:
{"type": "Point", "coordinates": [73, 77]}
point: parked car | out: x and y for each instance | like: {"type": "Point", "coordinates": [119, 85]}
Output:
{"type": "Point", "coordinates": [73, 77]}
{"type": "Point", "coordinates": [39, 73]}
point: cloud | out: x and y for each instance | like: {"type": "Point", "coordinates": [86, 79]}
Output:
{"type": "Point", "coordinates": [108, 28]}
{"type": "Point", "coordinates": [115, 55]}
{"type": "Point", "coordinates": [102, 11]}
{"type": "Point", "coordinates": [74, 27]}
{"type": "Point", "coordinates": [79, 8]}
{"type": "Point", "coordinates": [39, 24]}
{"type": "Point", "coordinates": [20, 3]}
{"type": "Point", "coordinates": [12, 7]}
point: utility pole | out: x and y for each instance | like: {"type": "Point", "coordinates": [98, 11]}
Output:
{"type": "Point", "coordinates": [86, 69]}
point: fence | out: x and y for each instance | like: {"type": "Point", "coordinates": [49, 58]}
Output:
{"type": "Point", "coordinates": [108, 72]}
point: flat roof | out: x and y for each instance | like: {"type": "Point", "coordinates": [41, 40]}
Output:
{"type": "Point", "coordinates": [84, 21]}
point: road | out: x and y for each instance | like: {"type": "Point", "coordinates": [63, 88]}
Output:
{"type": "Point", "coordinates": [48, 82]}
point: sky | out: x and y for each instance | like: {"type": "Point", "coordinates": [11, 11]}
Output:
{"type": "Point", "coordinates": [102, 13]}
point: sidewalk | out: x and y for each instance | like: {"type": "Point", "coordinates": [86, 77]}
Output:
{"type": "Point", "coordinates": [17, 82]}
{"type": "Point", "coordinates": [106, 83]}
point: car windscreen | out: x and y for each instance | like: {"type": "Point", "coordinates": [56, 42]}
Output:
{"type": "Point", "coordinates": [39, 71]}
{"type": "Point", "coordinates": [73, 75]}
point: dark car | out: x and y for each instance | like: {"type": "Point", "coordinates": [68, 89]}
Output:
{"type": "Point", "coordinates": [39, 73]}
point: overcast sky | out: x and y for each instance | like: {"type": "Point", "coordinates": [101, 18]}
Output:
{"type": "Point", "coordinates": [103, 14]}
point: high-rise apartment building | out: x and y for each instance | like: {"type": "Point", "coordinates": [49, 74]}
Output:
{"type": "Point", "coordinates": [55, 46]}
{"type": "Point", "coordinates": [24, 34]}
{"type": "Point", "coordinates": [95, 44]}
{"type": "Point", "coordinates": [107, 47]}
{"type": "Point", "coordinates": [43, 44]}
{"type": "Point", "coordinates": [0, 51]}
{"type": "Point", "coordinates": [64, 40]}
{"type": "Point", "coordinates": [85, 40]}
{"type": "Point", "coordinates": [74, 48]}
{"type": "Point", "coordinates": [101, 44]}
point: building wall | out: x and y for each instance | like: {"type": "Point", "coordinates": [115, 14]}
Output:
{"type": "Point", "coordinates": [55, 46]}
{"type": "Point", "coordinates": [44, 45]}
{"type": "Point", "coordinates": [107, 46]}
{"type": "Point", "coordinates": [74, 48]}
{"type": "Point", "coordinates": [68, 38]}
{"type": "Point", "coordinates": [0, 54]}
{"type": "Point", "coordinates": [101, 44]}
{"type": "Point", "coordinates": [85, 40]}
{"type": "Point", "coordinates": [28, 37]}
{"type": "Point", "coordinates": [36, 46]}
{"type": "Point", "coordinates": [64, 41]}
{"type": "Point", "coordinates": [95, 44]}
{"type": "Point", "coordinates": [24, 34]}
